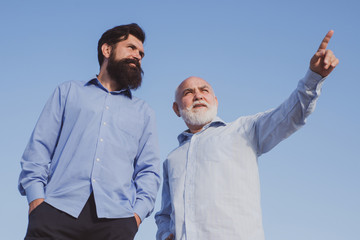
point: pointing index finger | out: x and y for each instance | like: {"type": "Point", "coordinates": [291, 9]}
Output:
{"type": "Point", "coordinates": [326, 40]}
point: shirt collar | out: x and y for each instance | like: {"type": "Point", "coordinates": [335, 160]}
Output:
{"type": "Point", "coordinates": [96, 82]}
{"type": "Point", "coordinates": [186, 135]}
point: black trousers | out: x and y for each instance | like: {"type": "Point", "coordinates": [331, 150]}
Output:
{"type": "Point", "coordinates": [47, 222]}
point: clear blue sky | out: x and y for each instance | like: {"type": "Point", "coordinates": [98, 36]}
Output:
{"type": "Point", "coordinates": [252, 53]}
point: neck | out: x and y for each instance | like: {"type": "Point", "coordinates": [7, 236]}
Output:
{"type": "Point", "coordinates": [195, 129]}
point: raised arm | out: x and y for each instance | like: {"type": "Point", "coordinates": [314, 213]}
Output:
{"type": "Point", "coordinates": [324, 60]}
{"type": "Point", "coordinates": [275, 125]}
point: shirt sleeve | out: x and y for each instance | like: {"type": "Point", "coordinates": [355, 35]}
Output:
{"type": "Point", "coordinates": [147, 169]}
{"type": "Point", "coordinates": [40, 149]}
{"type": "Point", "coordinates": [162, 217]}
{"type": "Point", "coordinates": [273, 126]}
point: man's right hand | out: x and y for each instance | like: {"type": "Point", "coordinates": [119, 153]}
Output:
{"type": "Point", "coordinates": [324, 60]}
{"type": "Point", "coordinates": [34, 204]}
{"type": "Point", "coordinates": [170, 237]}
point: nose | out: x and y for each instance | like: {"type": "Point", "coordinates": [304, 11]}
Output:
{"type": "Point", "coordinates": [198, 96]}
{"type": "Point", "coordinates": [136, 55]}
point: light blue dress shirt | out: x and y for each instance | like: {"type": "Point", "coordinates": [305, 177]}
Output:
{"type": "Point", "coordinates": [211, 186]}
{"type": "Point", "coordinates": [88, 139]}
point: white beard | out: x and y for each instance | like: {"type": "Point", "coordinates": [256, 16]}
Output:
{"type": "Point", "coordinates": [199, 117]}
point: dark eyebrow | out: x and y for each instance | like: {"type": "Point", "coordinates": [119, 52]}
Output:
{"type": "Point", "coordinates": [142, 54]}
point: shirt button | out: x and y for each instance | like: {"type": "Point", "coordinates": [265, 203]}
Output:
{"type": "Point", "coordinates": [93, 180]}
{"type": "Point", "coordinates": [107, 107]}
{"type": "Point", "coordinates": [98, 159]}
{"type": "Point", "coordinates": [101, 140]}
{"type": "Point", "coordinates": [104, 123]}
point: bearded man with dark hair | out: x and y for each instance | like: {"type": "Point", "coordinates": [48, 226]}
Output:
{"type": "Point", "coordinates": [91, 167]}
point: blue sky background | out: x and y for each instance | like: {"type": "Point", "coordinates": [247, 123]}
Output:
{"type": "Point", "coordinates": [253, 53]}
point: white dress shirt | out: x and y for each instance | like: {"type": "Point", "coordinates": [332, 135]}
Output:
{"type": "Point", "coordinates": [211, 188]}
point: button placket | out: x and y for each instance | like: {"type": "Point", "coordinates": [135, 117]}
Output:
{"type": "Point", "coordinates": [100, 147]}
{"type": "Point", "coordinates": [190, 185]}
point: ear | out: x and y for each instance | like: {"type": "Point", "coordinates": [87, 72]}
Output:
{"type": "Point", "coordinates": [106, 50]}
{"type": "Point", "coordinates": [176, 109]}
{"type": "Point", "coordinates": [217, 103]}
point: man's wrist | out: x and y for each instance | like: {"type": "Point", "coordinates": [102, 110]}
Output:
{"type": "Point", "coordinates": [35, 203]}
{"type": "Point", "coordinates": [35, 191]}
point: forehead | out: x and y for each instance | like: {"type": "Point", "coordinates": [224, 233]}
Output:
{"type": "Point", "coordinates": [192, 83]}
{"type": "Point", "coordinates": [132, 40]}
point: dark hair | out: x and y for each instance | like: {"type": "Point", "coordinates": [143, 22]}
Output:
{"type": "Point", "coordinates": [118, 34]}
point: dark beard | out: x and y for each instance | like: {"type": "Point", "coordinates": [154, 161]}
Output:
{"type": "Point", "coordinates": [127, 76]}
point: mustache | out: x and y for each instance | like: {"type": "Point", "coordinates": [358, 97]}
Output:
{"type": "Point", "coordinates": [198, 102]}
{"type": "Point", "coordinates": [132, 60]}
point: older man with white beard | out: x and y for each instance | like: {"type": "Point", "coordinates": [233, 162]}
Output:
{"type": "Point", "coordinates": [211, 186]}
{"type": "Point", "coordinates": [199, 112]}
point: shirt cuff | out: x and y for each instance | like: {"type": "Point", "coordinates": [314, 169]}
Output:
{"type": "Point", "coordinates": [312, 79]}
{"type": "Point", "coordinates": [140, 210]}
{"type": "Point", "coordinates": [35, 191]}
